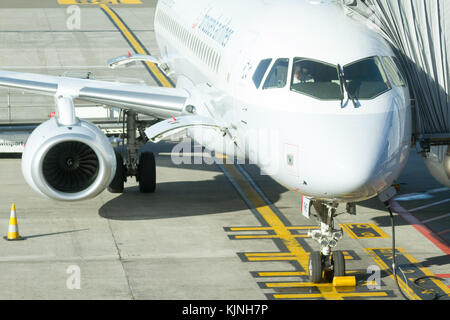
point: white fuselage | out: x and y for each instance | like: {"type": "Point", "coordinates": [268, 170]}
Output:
{"type": "Point", "coordinates": [316, 147]}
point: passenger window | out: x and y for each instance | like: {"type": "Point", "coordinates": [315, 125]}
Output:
{"type": "Point", "coordinates": [394, 72]}
{"type": "Point", "coordinates": [261, 71]}
{"type": "Point", "coordinates": [277, 77]}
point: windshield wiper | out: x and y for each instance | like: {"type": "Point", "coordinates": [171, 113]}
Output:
{"type": "Point", "coordinates": [345, 88]}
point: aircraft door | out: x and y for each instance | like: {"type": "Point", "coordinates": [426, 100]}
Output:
{"type": "Point", "coordinates": [242, 76]}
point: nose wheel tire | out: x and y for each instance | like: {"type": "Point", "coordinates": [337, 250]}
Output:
{"type": "Point", "coordinates": [338, 262]}
{"type": "Point", "coordinates": [147, 172]}
{"type": "Point", "coordinates": [315, 267]}
{"type": "Point", "coordinates": [118, 181]}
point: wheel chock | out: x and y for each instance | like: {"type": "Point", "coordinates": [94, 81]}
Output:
{"type": "Point", "coordinates": [344, 281]}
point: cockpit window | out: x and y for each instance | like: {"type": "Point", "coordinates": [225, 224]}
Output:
{"type": "Point", "coordinates": [366, 79]}
{"type": "Point", "coordinates": [277, 77]}
{"type": "Point", "coordinates": [316, 79]}
{"type": "Point", "coordinates": [392, 69]}
{"type": "Point", "coordinates": [261, 71]}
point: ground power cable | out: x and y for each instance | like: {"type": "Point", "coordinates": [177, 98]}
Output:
{"type": "Point", "coordinates": [394, 266]}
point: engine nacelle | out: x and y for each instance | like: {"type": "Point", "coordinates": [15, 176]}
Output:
{"type": "Point", "coordinates": [438, 163]}
{"type": "Point", "coordinates": [68, 163]}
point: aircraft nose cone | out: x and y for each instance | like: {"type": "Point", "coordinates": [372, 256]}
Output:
{"type": "Point", "coordinates": [359, 157]}
{"type": "Point", "coordinates": [354, 173]}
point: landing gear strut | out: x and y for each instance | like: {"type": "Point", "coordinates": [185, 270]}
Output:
{"type": "Point", "coordinates": [142, 166]}
{"type": "Point", "coordinates": [325, 264]}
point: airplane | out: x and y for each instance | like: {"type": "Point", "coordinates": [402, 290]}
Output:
{"type": "Point", "coordinates": [315, 99]}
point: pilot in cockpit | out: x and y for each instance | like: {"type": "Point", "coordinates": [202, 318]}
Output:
{"type": "Point", "coordinates": [301, 75]}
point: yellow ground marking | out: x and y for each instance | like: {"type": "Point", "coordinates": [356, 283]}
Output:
{"type": "Point", "coordinates": [70, 2]}
{"type": "Point", "coordinates": [282, 232]}
{"type": "Point", "coordinates": [298, 285]}
{"type": "Point", "coordinates": [292, 273]}
{"type": "Point", "coordinates": [368, 235]}
{"type": "Point", "coordinates": [330, 295]}
{"type": "Point", "coordinates": [327, 290]}
{"type": "Point", "coordinates": [276, 256]}
{"type": "Point", "coordinates": [269, 228]}
{"type": "Point", "coordinates": [268, 236]}
{"type": "Point", "coordinates": [426, 272]}
{"type": "Point", "coordinates": [282, 274]}
{"type": "Point", "coordinates": [414, 261]}
{"type": "Point", "coordinates": [352, 272]}
{"type": "Point", "coordinates": [406, 289]}
{"type": "Point", "coordinates": [251, 229]}
{"type": "Point", "coordinates": [280, 258]}
{"type": "Point", "coordinates": [269, 254]}
{"type": "Point", "coordinates": [136, 46]}
{"type": "Point", "coordinates": [270, 217]}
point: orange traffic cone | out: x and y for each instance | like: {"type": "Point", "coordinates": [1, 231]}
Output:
{"type": "Point", "coordinates": [13, 229]}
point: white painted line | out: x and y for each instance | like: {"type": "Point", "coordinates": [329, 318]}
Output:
{"type": "Point", "coordinates": [430, 205]}
{"type": "Point", "coordinates": [438, 190]}
{"type": "Point", "coordinates": [437, 218]}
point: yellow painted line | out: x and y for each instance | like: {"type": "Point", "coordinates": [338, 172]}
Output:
{"type": "Point", "coordinates": [406, 289]}
{"type": "Point", "coordinates": [351, 272]}
{"type": "Point", "coordinates": [280, 258]}
{"type": "Point", "coordinates": [268, 236]}
{"type": "Point", "coordinates": [137, 47]}
{"type": "Point", "coordinates": [84, 2]}
{"type": "Point", "coordinates": [380, 232]}
{"type": "Point", "coordinates": [281, 274]}
{"type": "Point", "coordinates": [292, 273]}
{"type": "Point", "coordinates": [303, 228]}
{"type": "Point", "coordinates": [330, 295]}
{"type": "Point", "coordinates": [272, 258]}
{"type": "Point", "coordinates": [269, 254]}
{"type": "Point", "coordinates": [367, 235]}
{"type": "Point", "coordinates": [252, 229]}
{"type": "Point", "coordinates": [348, 231]}
{"type": "Point", "coordinates": [283, 233]}
{"type": "Point", "coordinates": [427, 272]}
{"type": "Point", "coordinates": [269, 228]}
{"type": "Point", "coordinates": [270, 217]}
{"type": "Point", "coordinates": [297, 285]}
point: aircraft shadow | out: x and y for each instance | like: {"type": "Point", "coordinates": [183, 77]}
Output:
{"type": "Point", "coordinates": [174, 200]}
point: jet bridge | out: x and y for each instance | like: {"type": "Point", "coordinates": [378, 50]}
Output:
{"type": "Point", "coordinates": [419, 31]}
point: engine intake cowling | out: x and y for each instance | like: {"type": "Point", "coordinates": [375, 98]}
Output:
{"type": "Point", "coordinates": [68, 163]}
{"type": "Point", "coordinates": [438, 163]}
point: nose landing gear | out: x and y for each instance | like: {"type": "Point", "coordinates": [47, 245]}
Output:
{"type": "Point", "coordinates": [325, 264]}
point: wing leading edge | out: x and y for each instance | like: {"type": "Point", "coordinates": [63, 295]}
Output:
{"type": "Point", "coordinates": [154, 101]}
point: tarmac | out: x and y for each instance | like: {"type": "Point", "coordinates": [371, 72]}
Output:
{"type": "Point", "coordinates": [211, 231]}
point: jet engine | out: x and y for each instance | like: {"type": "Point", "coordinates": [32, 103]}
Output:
{"type": "Point", "coordinates": [438, 163]}
{"type": "Point", "coordinates": [68, 163]}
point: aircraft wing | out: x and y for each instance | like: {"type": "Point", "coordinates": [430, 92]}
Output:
{"type": "Point", "coordinates": [154, 101]}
